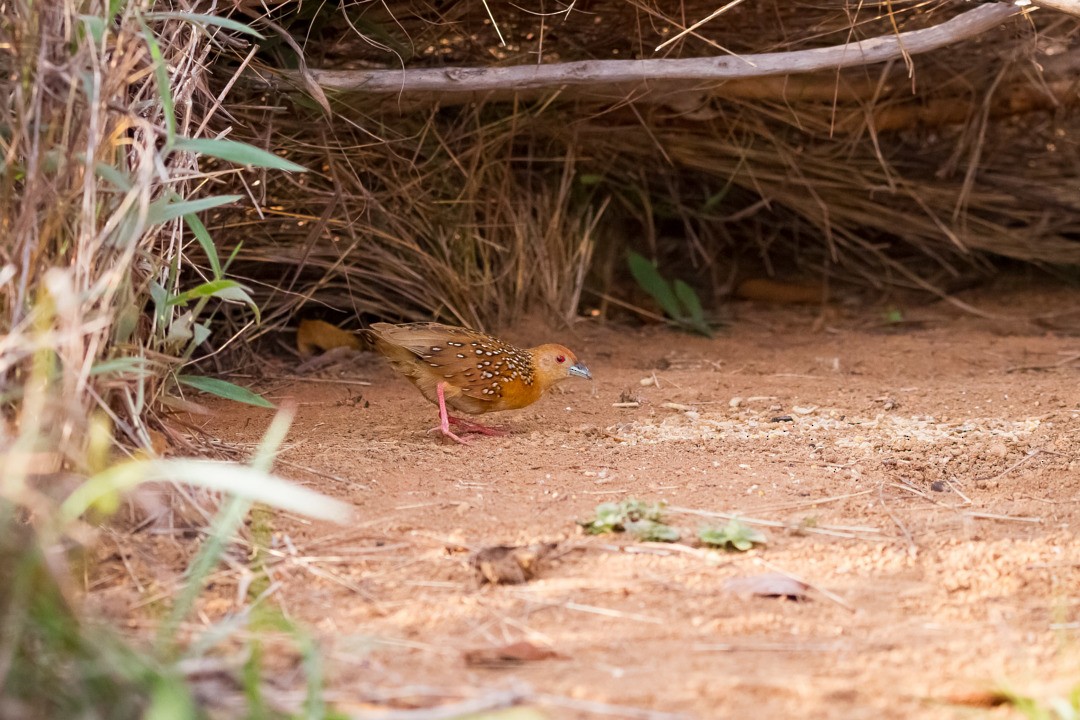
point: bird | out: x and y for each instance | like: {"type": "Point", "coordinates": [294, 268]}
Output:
{"type": "Point", "coordinates": [471, 372]}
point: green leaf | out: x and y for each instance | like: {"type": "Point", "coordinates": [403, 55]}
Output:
{"type": "Point", "coordinates": [588, 180]}
{"type": "Point", "coordinates": [200, 333]}
{"type": "Point", "coordinates": [161, 77]}
{"type": "Point", "coordinates": [251, 681]}
{"type": "Point", "coordinates": [137, 366]}
{"type": "Point", "coordinates": [223, 388]}
{"type": "Point", "coordinates": [170, 700]}
{"type": "Point", "coordinates": [689, 300]}
{"type": "Point", "coordinates": [95, 26]}
{"type": "Point", "coordinates": [213, 288]}
{"type": "Point", "coordinates": [695, 313]}
{"type": "Point", "coordinates": [201, 20]}
{"type": "Point", "coordinates": [112, 175]}
{"type": "Point", "coordinates": [236, 152]}
{"type": "Point", "coordinates": [125, 322]}
{"type": "Point", "coordinates": [732, 536]}
{"type": "Point", "coordinates": [628, 514]}
{"type": "Point", "coordinates": [223, 289]}
{"type": "Point", "coordinates": [647, 276]}
{"type": "Point", "coordinates": [716, 198]}
{"type": "Point", "coordinates": [160, 296]}
{"type": "Point", "coordinates": [650, 531]}
{"type": "Point", "coordinates": [205, 241]}
{"type": "Point", "coordinates": [167, 209]}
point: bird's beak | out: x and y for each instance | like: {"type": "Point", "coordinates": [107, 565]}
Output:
{"type": "Point", "coordinates": [580, 370]}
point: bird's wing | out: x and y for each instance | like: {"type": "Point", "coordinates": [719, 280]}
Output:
{"type": "Point", "coordinates": [438, 353]}
{"type": "Point", "coordinates": [425, 339]}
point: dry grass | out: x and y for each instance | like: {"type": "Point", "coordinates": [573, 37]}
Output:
{"type": "Point", "coordinates": [100, 312]}
{"type": "Point", "coordinates": [87, 175]}
{"type": "Point", "coordinates": [885, 176]}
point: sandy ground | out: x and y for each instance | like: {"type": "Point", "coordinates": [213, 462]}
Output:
{"type": "Point", "coordinates": [922, 477]}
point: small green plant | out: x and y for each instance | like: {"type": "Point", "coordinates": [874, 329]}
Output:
{"type": "Point", "coordinates": [1056, 708]}
{"type": "Point", "coordinates": [638, 518]}
{"type": "Point", "coordinates": [893, 317]}
{"type": "Point", "coordinates": [678, 300]}
{"type": "Point", "coordinates": [733, 535]}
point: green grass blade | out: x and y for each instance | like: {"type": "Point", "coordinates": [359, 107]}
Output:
{"type": "Point", "coordinates": [203, 20]}
{"type": "Point", "coordinates": [221, 531]}
{"type": "Point", "coordinates": [170, 699]}
{"type": "Point", "coordinates": [95, 26]}
{"type": "Point", "coordinates": [223, 289]}
{"type": "Point", "coordinates": [647, 276]}
{"type": "Point", "coordinates": [695, 314]}
{"type": "Point", "coordinates": [161, 77]}
{"type": "Point", "coordinates": [224, 389]}
{"type": "Point", "coordinates": [232, 478]}
{"type": "Point", "coordinates": [205, 241]}
{"type": "Point", "coordinates": [236, 152]}
{"type": "Point", "coordinates": [112, 175]}
{"type": "Point", "coordinates": [134, 366]}
{"type": "Point", "coordinates": [166, 209]}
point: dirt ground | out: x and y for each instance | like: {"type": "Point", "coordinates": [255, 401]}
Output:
{"type": "Point", "coordinates": [921, 476]}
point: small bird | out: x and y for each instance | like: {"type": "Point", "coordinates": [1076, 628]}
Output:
{"type": "Point", "coordinates": [472, 372]}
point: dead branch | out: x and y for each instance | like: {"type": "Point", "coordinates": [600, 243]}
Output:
{"type": "Point", "coordinates": [626, 77]}
{"type": "Point", "coordinates": [1071, 7]}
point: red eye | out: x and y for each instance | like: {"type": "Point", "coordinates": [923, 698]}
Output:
{"type": "Point", "coordinates": [560, 358]}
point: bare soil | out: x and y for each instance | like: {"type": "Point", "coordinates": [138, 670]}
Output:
{"type": "Point", "coordinates": [922, 476]}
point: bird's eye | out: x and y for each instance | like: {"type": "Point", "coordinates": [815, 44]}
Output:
{"type": "Point", "coordinates": [560, 358]}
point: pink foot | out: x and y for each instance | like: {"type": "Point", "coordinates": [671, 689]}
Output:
{"type": "Point", "coordinates": [444, 418]}
{"type": "Point", "coordinates": [471, 427]}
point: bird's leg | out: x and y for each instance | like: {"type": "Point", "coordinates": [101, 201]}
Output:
{"type": "Point", "coordinates": [471, 427]}
{"type": "Point", "coordinates": [444, 417]}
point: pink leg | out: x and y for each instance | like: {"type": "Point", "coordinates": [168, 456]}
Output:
{"type": "Point", "coordinates": [471, 427]}
{"type": "Point", "coordinates": [444, 417]}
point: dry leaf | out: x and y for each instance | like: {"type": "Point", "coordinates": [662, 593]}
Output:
{"type": "Point", "coordinates": [314, 335]}
{"type": "Point", "coordinates": [159, 443]}
{"type": "Point", "coordinates": [979, 698]}
{"type": "Point", "coordinates": [773, 585]}
{"type": "Point", "coordinates": [510, 565]}
{"type": "Point", "coordinates": [508, 655]}
{"type": "Point", "coordinates": [774, 291]}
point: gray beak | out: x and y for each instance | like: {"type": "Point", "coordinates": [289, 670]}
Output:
{"type": "Point", "coordinates": [580, 370]}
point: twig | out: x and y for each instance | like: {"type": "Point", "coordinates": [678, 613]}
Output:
{"type": "Point", "coordinates": [608, 612]}
{"type": "Point", "coordinates": [592, 609]}
{"type": "Point", "coordinates": [1031, 454]}
{"type": "Point", "coordinates": [810, 503]}
{"type": "Point", "coordinates": [485, 703]}
{"type": "Point", "coordinates": [302, 378]}
{"type": "Point", "coordinates": [1049, 366]}
{"type": "Point", "coordinates": [956, 490]}
{"type": "Point", "coordinates": [714, 14]}
{"type": "Point", "coordinates": [600, 708]}
{"type": "Point", "coordinates": [912, 548]}
{"type": "Point", "coordinates": [1009, 518]}
{"type": "Point", "coordinates": [769, 647]}
{"type": "Point", "coordinates": [846, 531]}
{"type": "Point", "coordinates": [324, 475]}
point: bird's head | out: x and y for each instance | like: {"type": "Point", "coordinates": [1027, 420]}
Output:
{"type": "Point", "coordinates": [555, 363]}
